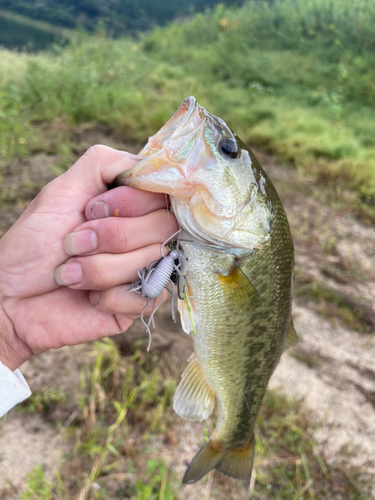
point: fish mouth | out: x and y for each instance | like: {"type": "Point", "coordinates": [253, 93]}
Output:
{"type": "Point", "coordinates": [165, 168]}
{"type": "Point", "coordinates": [189, 115]}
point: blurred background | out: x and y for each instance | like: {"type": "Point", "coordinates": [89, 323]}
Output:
{"type": "Point", "coordinates": [295, 79]}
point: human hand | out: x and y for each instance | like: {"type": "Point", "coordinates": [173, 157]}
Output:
{"type": "Point", "coordinates": [48, 300]}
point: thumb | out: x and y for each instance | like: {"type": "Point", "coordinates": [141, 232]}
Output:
{"type": "Point", "coordinates": [92, 173]}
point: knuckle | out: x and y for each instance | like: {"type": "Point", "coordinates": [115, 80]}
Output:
{"type": "Point", "coordinates": [121, 233]}
{"type": "Point", "coordinates": [113, 234]}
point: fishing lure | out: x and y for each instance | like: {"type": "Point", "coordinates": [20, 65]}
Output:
{"type": "Point", "coordinates": [170, 268]}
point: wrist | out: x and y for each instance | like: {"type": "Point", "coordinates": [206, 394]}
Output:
{"type": "Point", "coordinates": [13, 351]}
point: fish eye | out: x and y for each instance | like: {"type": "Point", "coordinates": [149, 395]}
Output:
{"type": "Point", "coordinates": [228, 147]}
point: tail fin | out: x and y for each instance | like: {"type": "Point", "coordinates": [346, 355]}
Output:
{"type": "Point", "coordinates": [236, 463]}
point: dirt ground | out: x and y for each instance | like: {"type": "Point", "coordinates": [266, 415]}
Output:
{"type": "Point", "coordinates": [332, 367]}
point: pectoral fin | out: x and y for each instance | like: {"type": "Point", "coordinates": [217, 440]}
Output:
{"type": "Point", "coordinates": [193, 400]}
{"type": "Point", "coordinates": [291, 339]}
{"type": "Point", "coordinates": [238, 288]}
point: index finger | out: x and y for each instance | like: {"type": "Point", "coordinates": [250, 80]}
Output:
{"type": "Point", "coordinates": [125, 201]}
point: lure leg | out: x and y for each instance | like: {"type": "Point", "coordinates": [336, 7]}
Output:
{"type": "Point", "coordinates": [174, 303]}
{"type": "Point", "coordinates": [154, 309]}
{"type": "Point", "coordinates": [169, 239]}
{"type": "Point", "coordinates": [146, 325]}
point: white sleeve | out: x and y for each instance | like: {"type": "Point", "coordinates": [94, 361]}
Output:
{"type": "Point", "coordinates": [13, 389]}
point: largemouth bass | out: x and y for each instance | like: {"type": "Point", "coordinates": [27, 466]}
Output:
{"type": "Point", "coordinates": [237, 241]}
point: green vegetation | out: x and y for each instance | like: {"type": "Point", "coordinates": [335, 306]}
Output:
{"type": "Point", "coordinates": [37, 487]}
{"type": "Point", "coordinates": [288, 463]}
{"type": "Point", "coordinates": [293, 78]}
{"type": "Point", "coordinates": [117, 16]}
{"type": "Point", "coordinates": [156, 486]}
{"type": "Point", "coordinates": [28, 34]}
{"type": "Point", "coordinates": [125, 402]}
{"type": "Point", "coordinates": [43, 401]}
{"type": "Point", "coordinates": [41, 26]}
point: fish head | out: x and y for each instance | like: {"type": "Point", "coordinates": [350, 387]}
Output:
{"type": "Point", "coordinates": [216, 189]}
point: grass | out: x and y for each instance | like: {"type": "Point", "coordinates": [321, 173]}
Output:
{"type": "Point", "coordinates": [289, 464]}
{"type": "Point", "coordinates": [38, 488]}
{"type": "Point", "coordinates": [122, 406]}
{"type": "Point", "coordinates": [125, 402]}
{"type": "Point", "coordinates": [43, 401]}
{"type": "Point", "coordinates": [295, 79]}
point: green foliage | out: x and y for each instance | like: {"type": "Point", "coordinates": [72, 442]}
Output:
{"type": "Point", "coordinates": [37, 487]}
{"type": "Point", "coordinates": [121, 396]}
{"type": "Point", "coordinates": [117, 16]}
{"type": "Point", "coordinates": [43, 401]}
{"type": "Point", "coordinates": [127, 400]}
{"type": "Point", "coordinates": [156, 487]}
{"type": "Point", "coordinates": [293, 78]}
{"type": "Point", "coordinates": [288, 464]}
{"type": "Point", "coordinates": [11, 123]}
{"type": "Point", "coordinates": [21, 32]}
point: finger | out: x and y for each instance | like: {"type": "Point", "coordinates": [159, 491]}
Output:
{"type": "Point", "coordinates": [120, 235]}
{"type": "Point", "coordinates": [104, 270]}
{"type": "Point", "coordinates": [118, 300]}
{"type": "Point", "coordinates": [92, 173]}
{"type": "Point", "coordinates": [125, 201]}
{"type": "Point", "coordinates": [83, 323]}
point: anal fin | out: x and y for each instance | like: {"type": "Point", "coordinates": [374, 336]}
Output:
{"type": "Point", "coordinates": [291, 339]}
{"type": "Point", "coordinates": [193, 400]}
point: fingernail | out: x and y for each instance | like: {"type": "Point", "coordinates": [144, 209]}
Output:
{"type": "Point", "coordinates": [99, 210]}
{"type": "Point", "coordinates": [133, 156]}
{"type": "Point", "coordinates": [94, 297]}
{"type": "Point", "coordinates": [69, 274]}
{"type": "Point", "coordinates": [80, 242]}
